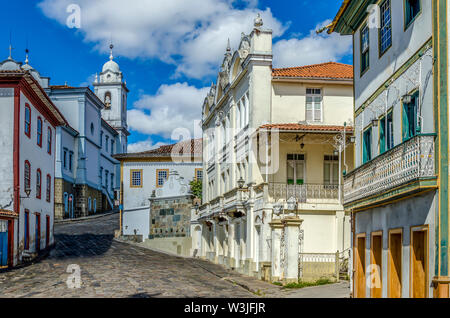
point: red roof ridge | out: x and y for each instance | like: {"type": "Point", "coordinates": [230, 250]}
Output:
{"type": "Point", "coordinates": [311, 65]}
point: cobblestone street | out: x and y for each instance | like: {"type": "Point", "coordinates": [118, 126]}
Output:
{"type": "Point", "coordinates": [114, 269]}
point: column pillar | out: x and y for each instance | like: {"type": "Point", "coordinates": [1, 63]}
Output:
{"type": "Point", "coordinates": [276, 227]}
{"type": "Point", "coordinates": [242, 248]}
{"type": "Point", "coordinates": [292, 229]}
{"type": "Point", "coordinates": [265, 237]}
{"type": "Point", "coordinates": [215, 242]}
{"type": "Point", "coordinates": [231, 260]}
{"type": "Point", "coordinates": [249, 241]}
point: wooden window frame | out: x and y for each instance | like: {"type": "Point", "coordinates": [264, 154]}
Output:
{"type": "Point", "coordinates": [196, 175]}
{"type": "Point", "coordinates": [27, 124]}
{"type": "Point", "coordinates": [393, 231]}
{"type": "Point", "coordinates": [157, 176]}
{"type": "Point", "coordinates": [361, 70]}
{"type": "Point", "coordinates": [49, 140]}
{"type": "Point", "coordinates": [39, 133]}
{"type": "Point", "coordinates": [38, 184]}
{"type": "Point", "coordinates": [420, 228]}
{"type": "Point", "coordinates": [408, 24]}
{"type": "Point", "coordinates": [48, 191]}
{"type": "Point", "coordinates": [27, 181]}
{"type": "Point", "coordinates": [131, 178]}
{"type": "Point", "coordinates": [369, 127]}
{"type": "Point", "coordinates": [385, 116]}
{"type": "Point", "coordinates": [381, 52]}
{"type": "Point", "coordinates": [314, 119]}
{"type": "Point", "coordinates": [376, 233]}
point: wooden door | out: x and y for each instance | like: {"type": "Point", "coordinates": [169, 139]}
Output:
{"type": "Point", "coordinates": [37, 233]}
{"type": "Point", "coordinates": [3, 243]}
{"type": "Point", "coordinates": [360, 267]}
{"type": "Point", "coordinates": [419, 260]}
{"type": "Point", "coordinates": [376, 262]}
{"type": "Point", "coordinates": [395, 265]}
{"type": "Point", "coordinates": [47, 231]}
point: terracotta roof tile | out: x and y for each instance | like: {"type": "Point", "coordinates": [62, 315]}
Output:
{"type": "Point", "coordinates": [330, 70]}
{"type": "Point", "coordinates": [304, 127]}
{"type": "Point", "coordinates": [196, 146]}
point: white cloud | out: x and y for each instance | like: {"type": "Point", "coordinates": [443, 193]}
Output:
{"type": "Point", "coordinates": [172, 107]}
{"type": "Point", "coordinates": [144, 145]}
{"type": "Point", "coordinates": [311, 49]}
{"type": "Point", "coordinates": [190, 34]}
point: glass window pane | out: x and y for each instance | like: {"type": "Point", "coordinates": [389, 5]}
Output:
{"type": "Point", "coordinates": [290, 172]}
{"type": "Point", "coordinates": [335, 173]}
{"type": "Point", "coordinates": [326, 173]}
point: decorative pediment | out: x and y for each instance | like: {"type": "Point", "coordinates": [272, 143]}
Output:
{"type": "Point", "coordinates": [244, 47]}
{"type": "Point", "coordinates": [211, 95]}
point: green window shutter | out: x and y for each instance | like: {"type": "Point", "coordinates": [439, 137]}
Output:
{"type": "Point", "coordinates": [382, 126]}
{"type": "Point", "coordinates": [367, 145]}
{"type": "Point", "coordinates": [405, 122]}
{"type": "Point", "coordinates": [415, 111]}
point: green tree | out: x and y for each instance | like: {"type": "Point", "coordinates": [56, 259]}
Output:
{"type": "Point", "coordinates": [196, 188]}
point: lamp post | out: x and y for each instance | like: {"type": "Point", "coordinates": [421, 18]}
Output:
{"type": "Point", "coordinates": [241, 183]}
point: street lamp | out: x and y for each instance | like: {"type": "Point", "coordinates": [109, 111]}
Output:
{"type": "Point", "coordinates": [241, 183]}
{"type": "Point", "coordinates": [407, 99]}
{"type": "Point", "coordinates": [27, 192]}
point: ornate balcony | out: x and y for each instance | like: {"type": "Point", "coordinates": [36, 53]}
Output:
{"type": "Point", "coordinates": [303, 192]}
{"type": "Point", "coordinates": [412, 160]}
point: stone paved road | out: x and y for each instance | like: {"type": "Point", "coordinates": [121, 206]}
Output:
{"type": "Point", "coordinates": [112, 269]}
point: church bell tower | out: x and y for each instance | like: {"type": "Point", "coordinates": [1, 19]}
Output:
{"type": "Point", "coordinates": [113, 91]}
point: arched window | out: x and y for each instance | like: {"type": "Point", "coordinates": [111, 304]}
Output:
{"type": "Point", "coordinates": [48, 189]}
{"type": "Point", "coordinates": [89, 205]}
{"type": "Point", "coordinates": [49, 141]}
{"type": "Point", "coordinates": [27, 175]}
{"type": "Point", "coordinates": [38, 183]}
{"type": "Point", "coordinates": [27, 125]}
{"type": "Point", "coordinates": [39, 132]}
{"type": "Point", "coordinates": [107, 100]}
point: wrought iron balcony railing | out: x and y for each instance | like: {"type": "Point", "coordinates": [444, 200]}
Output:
{"type": "Point", "coordinates": [303, 192]}
{"type": "Point", "coordinates": [413, 159]}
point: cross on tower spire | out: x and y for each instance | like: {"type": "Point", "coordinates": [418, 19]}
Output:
{"type": "Point", "coordinates": [111, 46]}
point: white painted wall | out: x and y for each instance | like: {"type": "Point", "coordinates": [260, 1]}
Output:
{"type": "Point", "coordinates": [138, 197]}
{"type": "Point", "coordinates": [6, 148]}
{"type": "Point", "coordinates": [38, 158]}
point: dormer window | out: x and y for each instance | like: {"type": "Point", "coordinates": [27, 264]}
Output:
{"type": "Point", "coordinates": [107, 100]}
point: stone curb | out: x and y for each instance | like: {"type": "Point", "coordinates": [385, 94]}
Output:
{"type": "Point", "coordinates": [84, 218]}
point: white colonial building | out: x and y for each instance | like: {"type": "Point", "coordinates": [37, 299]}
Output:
{"type": "Point", "coordinates": [274, 149]}
{"type": "Point", "coordinates": [28, 127]}
{"type": "Point", "coordinates": [145, 173]}
{"type": "Point", "coordinates": [87, 175]}
{"type": "Point", "coordinates": [400, 218]}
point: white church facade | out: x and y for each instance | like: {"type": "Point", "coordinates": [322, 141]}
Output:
{"type": "Point", "coordinates": [87, 175]}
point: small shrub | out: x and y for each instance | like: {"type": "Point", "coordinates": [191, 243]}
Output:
{"type": "Point", "coordinates": [300, 284]}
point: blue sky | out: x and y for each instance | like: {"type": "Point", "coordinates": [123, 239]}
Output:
{"type": "Point", "coordinates": [168, 50]}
